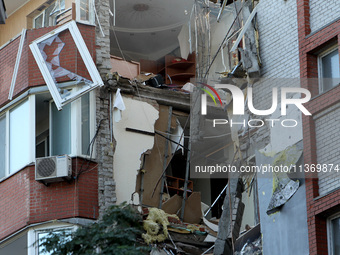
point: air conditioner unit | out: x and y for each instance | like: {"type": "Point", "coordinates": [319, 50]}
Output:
{"type": "Point", "coordinates": [53, 169]}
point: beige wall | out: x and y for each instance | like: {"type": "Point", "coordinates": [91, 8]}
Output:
{"type": "Point", "coordinates": [130, 146]}
{"type": "Point", "coordinates": [18, 20]}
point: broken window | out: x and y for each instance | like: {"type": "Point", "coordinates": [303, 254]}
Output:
{"type": "Point", "coordinates": [329, 71]}
{"type": "Point", "coordinates": [67, 76]}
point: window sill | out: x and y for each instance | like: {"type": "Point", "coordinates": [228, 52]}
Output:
{"type": "Point", "coordinates": [10, 175]}
{"type": "Point", "coordinates": [324, 195]}
{"type": "Point", "coordinates": [324, 92]}
{"type": "Point", "coordinates": [87, 158]}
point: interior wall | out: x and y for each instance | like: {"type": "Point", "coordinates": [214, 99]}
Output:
{"type": "Point", "coordinates": [130, 146]}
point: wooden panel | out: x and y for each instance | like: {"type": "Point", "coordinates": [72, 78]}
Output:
{"type": "Point", "coordinates": [148, 66]}
{"type": "Point", "coordinates": [154, 162]}
{"type": "Point", "coordinates": [124, 68]}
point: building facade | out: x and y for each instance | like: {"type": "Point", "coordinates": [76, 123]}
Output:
{"type": "Point", "coordinates": [319, 31]}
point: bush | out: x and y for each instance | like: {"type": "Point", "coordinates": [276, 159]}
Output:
{"type": "Point", "coordinates": [116, 233]}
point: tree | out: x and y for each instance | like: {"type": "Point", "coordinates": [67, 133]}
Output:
{"type": "Point", "coordinates": [116, 233]}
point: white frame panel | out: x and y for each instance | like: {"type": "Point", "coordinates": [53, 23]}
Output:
{"type": "Point", "coordinates": [330, 232]}
{"type": "Point", "coordinates": [31, 103]}
{"type": "Point", "coordinates": [91, 13]}
{"type": "Point", "coordinates": [17, 63]}
{"type": "Point", "coordinates": [85, 55]}
{"type": "Point", "coordinates": [32, 234]}
{"type": "Point", "coordinates": [76, 135]}
{"type": "Point", "coordinates": [43, 18]}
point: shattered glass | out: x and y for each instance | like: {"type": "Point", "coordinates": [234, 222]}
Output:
{"type": "Point", "coordinates": [55, 68]}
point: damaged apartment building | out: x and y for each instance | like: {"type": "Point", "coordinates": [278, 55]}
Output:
{"type": "Point", "coordinates": [101, 102]}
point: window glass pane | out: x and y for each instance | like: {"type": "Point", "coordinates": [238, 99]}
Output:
{"type": "Point", "coordinates": [15, 246]}
{"type": "Point", "coordinates": [60, 130]}
{"type": "Point", "coordinates": [84, 9]}
{"type": "Point", "coordinates": [330, 69]}
{"type": "Point", "coordinates": [38, 21]}
{"type": "Point", "coordinates": [43, 235]}
{"type": "Point", "coordinates": [336, 235]}
{"type": "Point", "coordinates": [59, 6]}
{"type": "Point", "coordinates": [85, 123]}
{"type": "Point", "coordinates": [19, 137]}
{"type": "Point", "coordinates": [48, 19]}
{"type": "Point", "coordinates": [2, 146]}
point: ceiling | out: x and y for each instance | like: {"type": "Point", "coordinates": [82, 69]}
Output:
{"type": "Point", "coordinates": [12, 5]}
{"type": "Point", "coordinates": [147, 28]}
{"type": "Point", "coordinates": [141, 29]}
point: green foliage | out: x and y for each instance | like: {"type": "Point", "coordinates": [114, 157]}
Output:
{"type": "Point", "coordinates": [116, 233]}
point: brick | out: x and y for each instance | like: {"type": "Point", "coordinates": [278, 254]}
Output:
{"type": "Point", "coordinates": [24, 201]}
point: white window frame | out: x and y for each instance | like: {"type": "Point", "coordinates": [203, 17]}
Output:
{"type": "Point", "coordinates": [76, 132]}
{"type": "Point", "coordinates": [320, 72]}
{"type": "Point", "coordinates": [43, 19]}
{"type": "Point", "coordinates": [43, 13]}
{"type": "Point", "coordinates": [85, 55]}
{"type": "Point", "coordinates": [91, 13]}
{"type": "Point", "coordinates": [46, 141]}
{"type": "Point", "coordinates": [92, 120]}
{"type": "Point", "coordinates": [330, 233]}
{"type": "Point", "coordinates": [31, 102]}
{"type": "Point", "coordinates": [33, 234]}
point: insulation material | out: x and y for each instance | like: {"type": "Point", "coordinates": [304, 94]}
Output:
{"type": "Point", "coordinates": [152, 224]}
{"type": "Point", "coordinates": [118, 106]}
